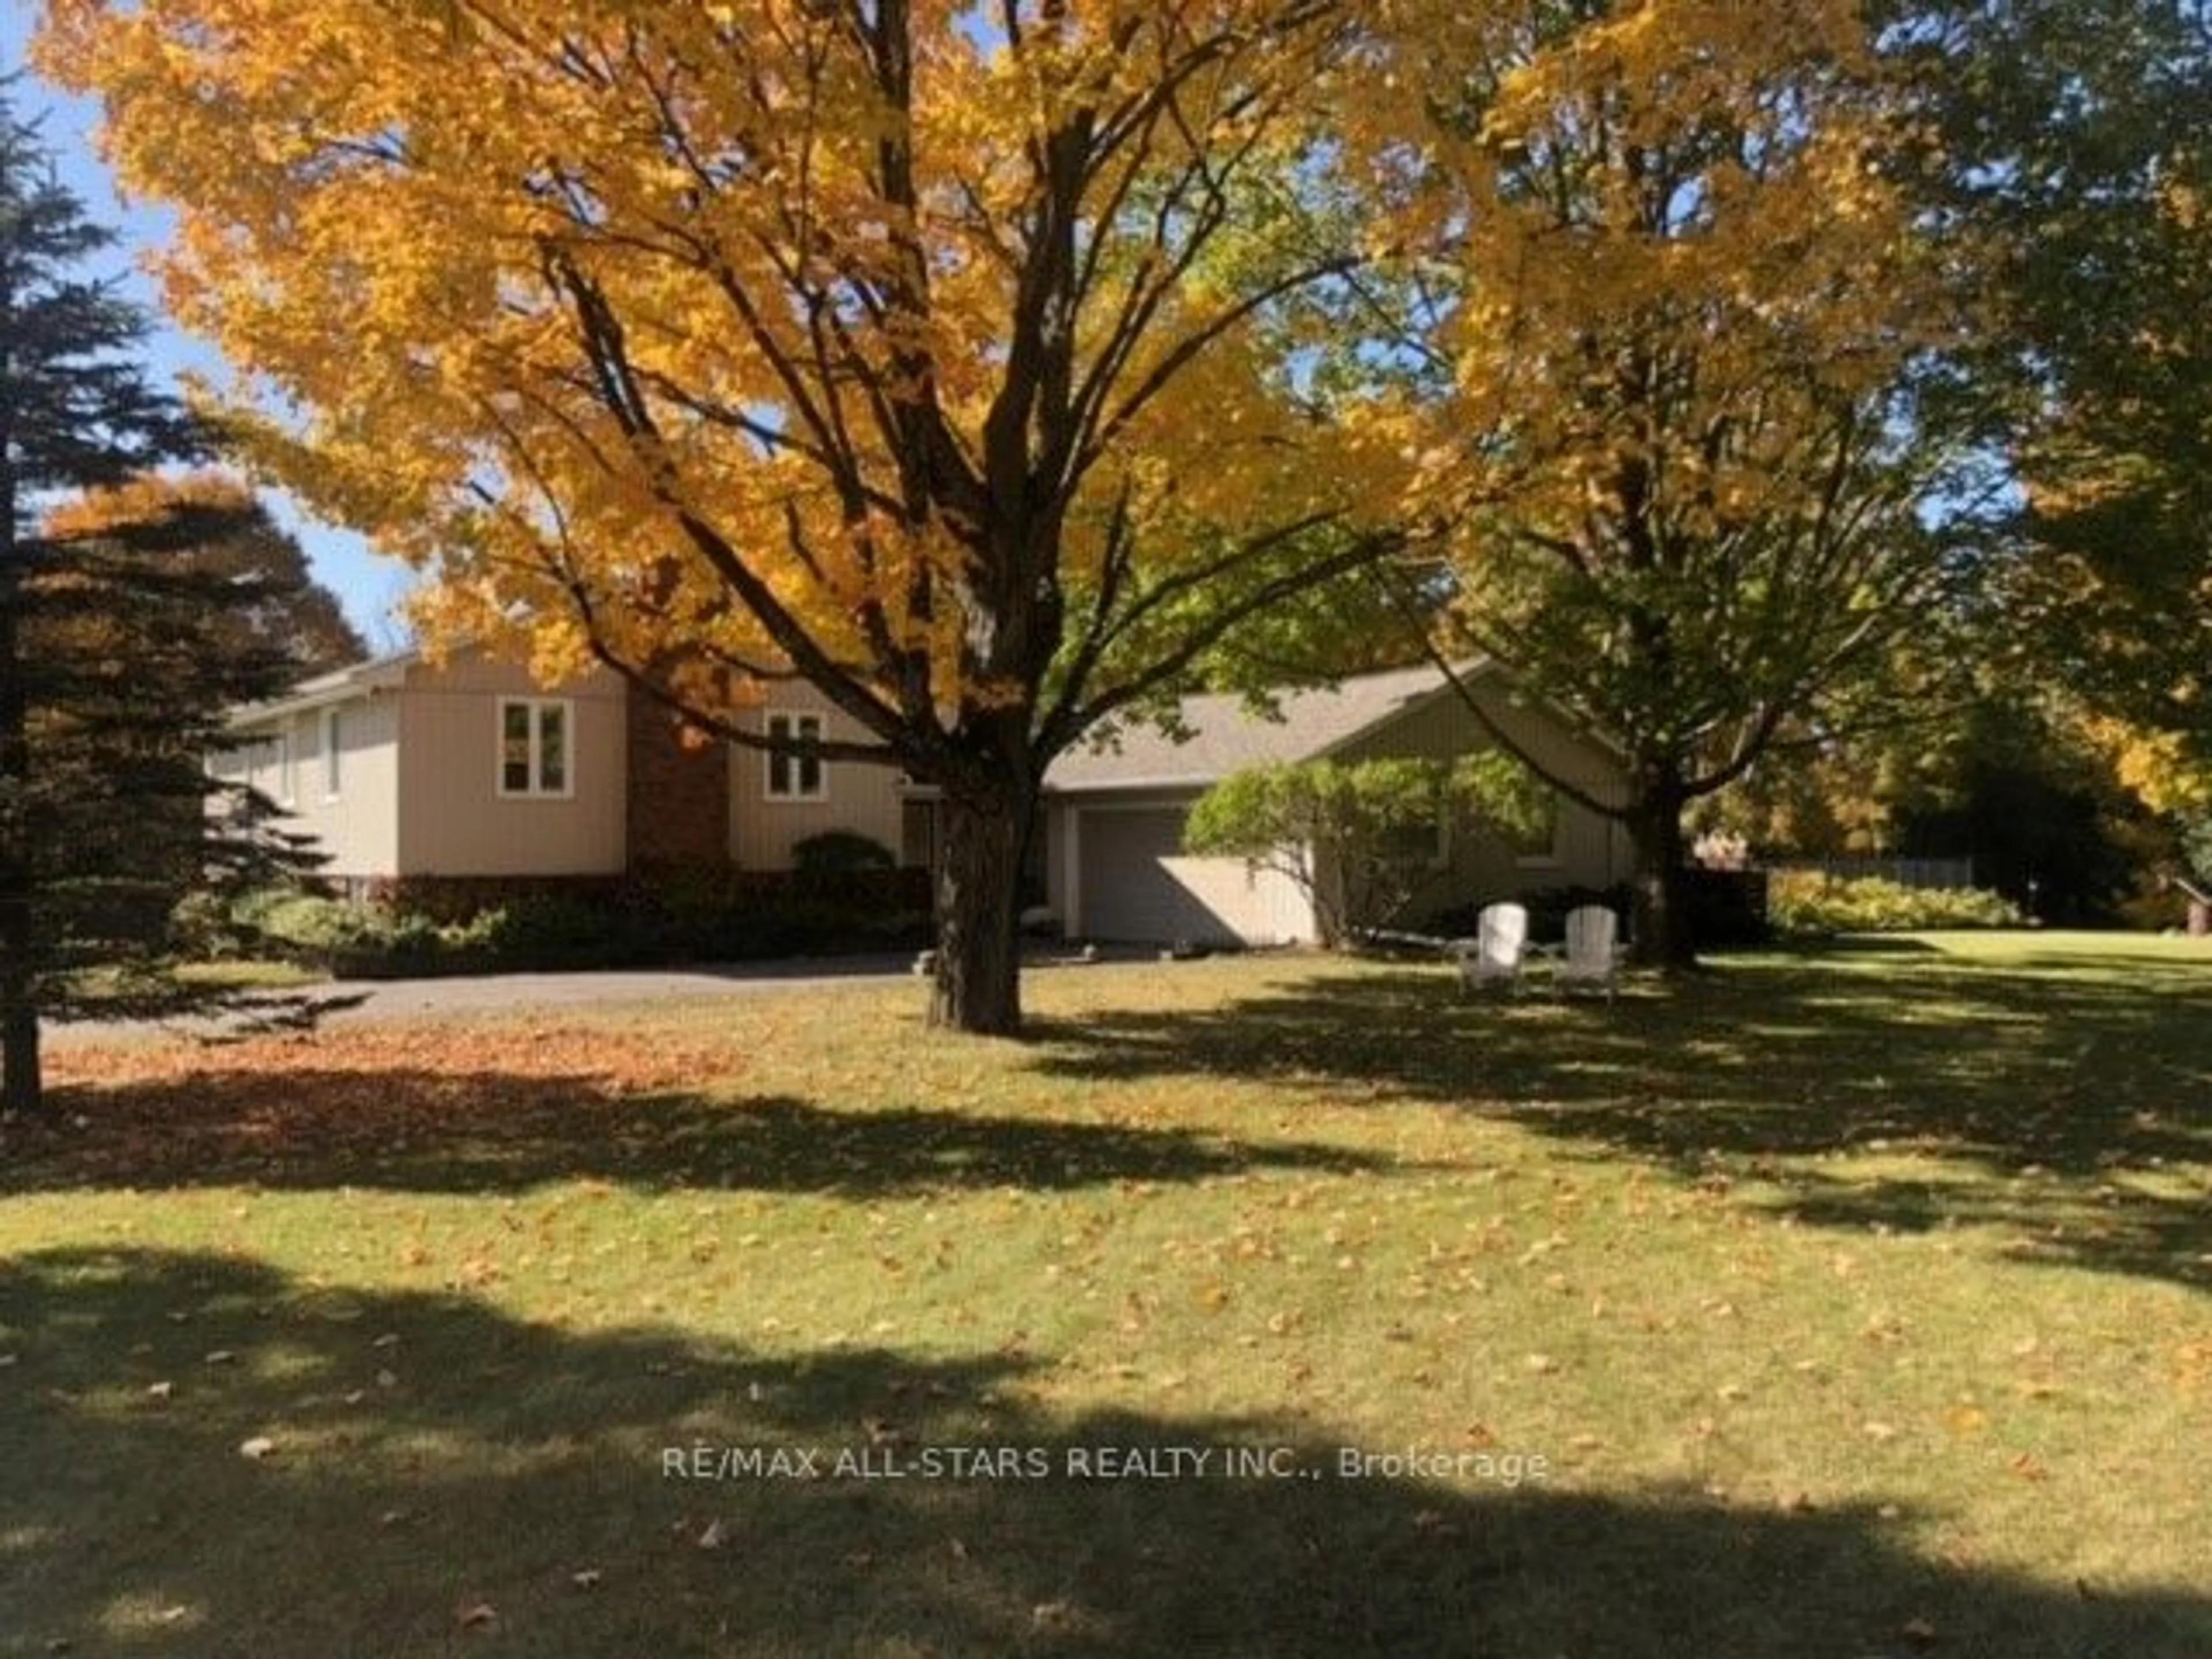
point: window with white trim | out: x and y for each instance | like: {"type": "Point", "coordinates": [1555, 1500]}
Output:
{"type": "Point", "coordinates": [795, 777]}
{"type": "Point", "coordinates": [332, 736]}
{"type": "Point", "coordinates": [536, 747]}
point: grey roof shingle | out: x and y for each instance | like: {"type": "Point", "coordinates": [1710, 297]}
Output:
{"type": "Point", "coordinates": [1227, 736]}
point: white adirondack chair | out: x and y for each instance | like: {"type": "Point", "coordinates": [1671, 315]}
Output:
{"type": "Point", "coordinates": [1593, 955]}
{"type": "Point", "coordinates": [1493, 956]}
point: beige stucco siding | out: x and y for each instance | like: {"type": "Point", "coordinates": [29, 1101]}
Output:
{"type": "Point", "coordinates": [354, 826]}
{"type": "Point", "coordinates": [452, 818]}
{"type": "Point", "coordinates": [860, 799]}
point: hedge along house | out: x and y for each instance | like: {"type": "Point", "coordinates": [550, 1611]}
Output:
{"type": "Point", "coordinates": [1115, 812]}
{"type": "Point", "coordinates": [468, 775]}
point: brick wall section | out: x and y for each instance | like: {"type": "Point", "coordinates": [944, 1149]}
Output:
{"type": "Point", "coordinates": [678, 812]}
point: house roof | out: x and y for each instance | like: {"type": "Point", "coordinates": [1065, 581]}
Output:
{"type": "Point", "coordinates": [378, 673]}
{"type": "Point", "coordinates": [1225, 734]}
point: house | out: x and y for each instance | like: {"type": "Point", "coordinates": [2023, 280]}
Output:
{"type": "Point", "coordinates": [469, 773]}
{"type": "Point", "coordinates": [1115, 868]}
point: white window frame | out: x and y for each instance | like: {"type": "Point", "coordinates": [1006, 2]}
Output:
{"type": "Point", "coordinates": [330, 728]}
{"type": "Point", "coordinates": [536, 789]}
{"type": "Point", "coordinates": [798, 725]}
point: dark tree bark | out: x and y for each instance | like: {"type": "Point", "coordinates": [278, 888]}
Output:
{"type": "Point", "coordinates": [20, 1085]}
{"type": "Point", "coordinates": [1660, 931]}
{"type": "Point", "coordinates": [977, 988]}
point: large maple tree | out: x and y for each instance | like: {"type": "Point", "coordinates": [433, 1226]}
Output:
{"type": "Point", "coordinates": [956, 359]}
{"type": "Point", "coordinates": [1681, 322]}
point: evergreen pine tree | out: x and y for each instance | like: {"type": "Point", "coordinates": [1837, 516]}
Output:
{"type": "Point", "coordinates": [117, 654]}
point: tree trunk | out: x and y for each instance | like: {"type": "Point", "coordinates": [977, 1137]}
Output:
{"type": "Point", "coordinates": [1661, 926]}
{"type": "Point", "coordinates": [22, 1089]}
{"type": "Point", "coordinates": [979, 876]}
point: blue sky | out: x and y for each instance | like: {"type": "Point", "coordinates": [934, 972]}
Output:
{"type": "Point", "coordinates": [369, 584]}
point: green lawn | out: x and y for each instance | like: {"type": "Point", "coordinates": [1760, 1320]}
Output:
{"type": "Point", "coordinates": [1849, 1303]}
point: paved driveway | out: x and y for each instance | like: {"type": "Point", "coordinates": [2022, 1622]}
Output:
{"type": "Point", "coordinates": [461, 995]}
{"type": "Point", "coordinates": [394, 998]}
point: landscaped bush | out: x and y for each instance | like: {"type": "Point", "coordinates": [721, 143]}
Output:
{"type": "Point", "coordinates": [701, 916]}
{"type": "Point", "coordinates": [835, 852]}
{"type": "Point", "coordinates": [1807, 901]}
{"type": "Point", "coordinates": [316, 927]}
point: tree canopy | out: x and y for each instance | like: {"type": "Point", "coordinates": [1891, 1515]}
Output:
{"type": "Point", "coordinates": [1684, 326]}
{"type": "Point", "coordinates": [1002, 370]}
{"type": "Point", "coordinates": [948, 359]}
{"type": "Point", "coordinates": [273, 606]}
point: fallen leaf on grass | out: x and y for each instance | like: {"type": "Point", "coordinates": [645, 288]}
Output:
{"type": "Point", "coordinates": [1965, 1419]}
{"type": "Point", "coordinates": [476, 1615]}
{"type": "Point", "coordinates": [259, 1448]}
{"type": "Point", "coordinates": [587, 1578]}
{"type": "Point", "coordinates": [379, 1092]}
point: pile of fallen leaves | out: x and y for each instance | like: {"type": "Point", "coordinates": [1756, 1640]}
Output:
{"type": "Point", "coordinates": [322, 1101]}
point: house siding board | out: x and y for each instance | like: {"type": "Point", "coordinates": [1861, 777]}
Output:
{"type": "Point", "coordinates": [452, 821]}
{"type": "Point", "coordinates": [357, 832]}
{"type": "Point", "coordinates": [857, 798]}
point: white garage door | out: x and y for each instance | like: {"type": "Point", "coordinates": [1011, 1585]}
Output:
{"type": "Point", "coordinates": [1136, 883]}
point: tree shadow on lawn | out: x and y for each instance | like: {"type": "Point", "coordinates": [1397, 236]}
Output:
{"type": "Point", "coordinates": [502, 1483]}
{"type": "Point", "coordinates": [2069, 1104]}
{"type": "Point", "coordinates": [417, 1130]}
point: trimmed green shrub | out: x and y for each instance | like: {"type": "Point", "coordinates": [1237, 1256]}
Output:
{"type": "Point", "coordinates": [1808, 902]}
{"type": "Point", "coordinates": [838, 851]}
{"type": "Point", "coordinates": [728, 915]}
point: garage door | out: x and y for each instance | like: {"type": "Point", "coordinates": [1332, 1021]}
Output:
{"type": "Point", "coordinates": [1138, 884]}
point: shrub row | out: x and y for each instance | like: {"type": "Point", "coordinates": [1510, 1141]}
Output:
{"type": "Point", "coordinates": [426, 927]}
{"type": "Point", "coordinates": [1808, 902]}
